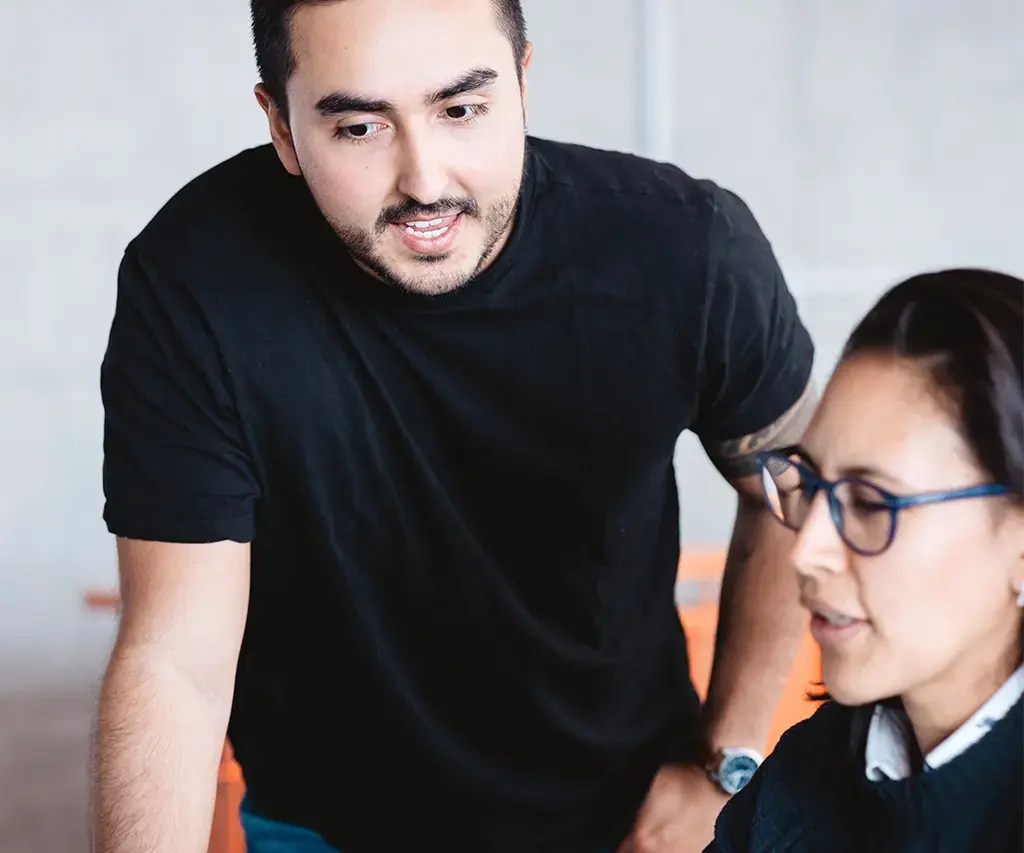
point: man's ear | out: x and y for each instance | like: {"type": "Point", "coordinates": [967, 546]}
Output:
{"type": "Point", "coordinates": [280, 133]}
{"type": "Point", "coordinates": [527, 59]}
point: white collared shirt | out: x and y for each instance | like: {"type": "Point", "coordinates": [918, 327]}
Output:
{"type": "Point", "coordinates": [887, 754]}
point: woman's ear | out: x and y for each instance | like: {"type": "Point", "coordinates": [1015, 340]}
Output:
{"type": "Point", "coordinates": [1011, 532]}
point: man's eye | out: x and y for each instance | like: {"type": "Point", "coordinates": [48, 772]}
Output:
{"type": "Point", "coordinates": [359, 132]}
{"type": "Point", "coordinates": [465, 112]}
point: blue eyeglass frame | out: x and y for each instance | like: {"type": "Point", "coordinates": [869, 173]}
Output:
{"type": "Point", "coordinates": [894, 503]}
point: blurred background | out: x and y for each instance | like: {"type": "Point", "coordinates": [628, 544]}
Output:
{"type": "Point", "coordinates": [871, 139]}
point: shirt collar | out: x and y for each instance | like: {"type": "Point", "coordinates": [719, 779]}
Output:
{"type": "Point", "coordinates": [887, 752]}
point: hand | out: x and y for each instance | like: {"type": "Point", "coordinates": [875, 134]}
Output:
{"type": "Point", "coordinates": [679, 813]}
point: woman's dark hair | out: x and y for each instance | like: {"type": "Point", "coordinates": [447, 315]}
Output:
{"type": "Point", "coordinates": [966, 326]}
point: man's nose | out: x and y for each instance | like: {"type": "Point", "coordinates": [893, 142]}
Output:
{"type": "Point", "coordinates": [422, 175]}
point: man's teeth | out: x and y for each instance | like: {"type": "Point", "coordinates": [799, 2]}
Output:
{"type": "Point", "coordinates": [426, 229]}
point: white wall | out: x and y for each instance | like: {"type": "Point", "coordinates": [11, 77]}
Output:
{"type": "Point", "coordinates": [109, 107]}
{"type": "Point", "coordinates": [879, 135]}
{"type": "Point", "coordinates": [870, 138]}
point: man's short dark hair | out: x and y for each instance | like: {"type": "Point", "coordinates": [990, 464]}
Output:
{"type": "Point", "coordinates": [276, 62]}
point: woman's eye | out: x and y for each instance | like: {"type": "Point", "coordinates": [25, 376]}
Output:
{"type": "Point", "coordinates": [868, 500]}
{"type": "Point", "coordinates": [865, 505]}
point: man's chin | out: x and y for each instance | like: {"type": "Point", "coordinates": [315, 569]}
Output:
{"type": "Point", "coordinates": [437, 284]}
{"type": "Point", "coordinates": [431, 275]}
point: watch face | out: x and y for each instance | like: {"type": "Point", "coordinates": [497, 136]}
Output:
{"type": "Point", "coordinates": [736, 771]}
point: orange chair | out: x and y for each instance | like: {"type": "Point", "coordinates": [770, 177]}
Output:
{"type": "Point", "coordinates": [697, 592]}
{"type": "Point", "coordinates": [227, 835]}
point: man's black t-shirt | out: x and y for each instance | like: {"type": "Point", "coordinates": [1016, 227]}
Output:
{"type": "Point", "coordinates": [462, 508]}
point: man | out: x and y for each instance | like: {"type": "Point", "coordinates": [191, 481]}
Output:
{"type": "Point", "coordinates": [390, 416]}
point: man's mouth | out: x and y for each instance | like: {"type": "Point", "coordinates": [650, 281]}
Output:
{"type": "Point", "coordinates": [433, 236]}
{"type": "Point", "coordinates": [428, 229]}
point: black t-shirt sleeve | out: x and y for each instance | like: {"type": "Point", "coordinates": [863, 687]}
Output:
{"type": "Point", "coordinates": [757, 354]}
{"type": "Point", "coordinates": [175, 467]}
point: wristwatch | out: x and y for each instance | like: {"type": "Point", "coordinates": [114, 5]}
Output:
{"type": "Point", "coordinates": [732, 768]}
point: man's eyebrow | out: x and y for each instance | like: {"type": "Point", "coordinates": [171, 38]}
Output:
{"type": "Point", "coordinates": [339, 103]}
{"type": "Point", "coordinates": [471, 81]}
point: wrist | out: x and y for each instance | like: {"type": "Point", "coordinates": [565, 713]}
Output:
{"type": "Point", "coordinates": [731, 768]}
{"type": "Point", "coordinates": [728, 725]}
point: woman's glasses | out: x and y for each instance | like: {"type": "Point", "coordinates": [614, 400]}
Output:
{"type": "Point", "coordinates": [864, 514]}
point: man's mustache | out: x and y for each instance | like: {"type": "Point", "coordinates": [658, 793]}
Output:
{"type": "Point", "coordinates": [409, 210]}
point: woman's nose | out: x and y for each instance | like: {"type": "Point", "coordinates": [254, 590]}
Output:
{"type": "Point", "coordinates": [819, 547]}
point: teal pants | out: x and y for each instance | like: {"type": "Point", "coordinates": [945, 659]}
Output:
{"type": "Point", "coordinates": [269, 836]}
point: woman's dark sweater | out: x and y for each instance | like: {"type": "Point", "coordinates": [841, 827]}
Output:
{"type": "Point", "coordinates": [811, 794]}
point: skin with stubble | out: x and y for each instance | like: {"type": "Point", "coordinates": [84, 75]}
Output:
{"type": "Point", "coordinates": [407, 121]}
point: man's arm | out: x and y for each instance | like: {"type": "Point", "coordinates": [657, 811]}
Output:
{"type": "Point", "coordinates": [760, 620]}
{"type": "Point", "coordinates": [166, 696]}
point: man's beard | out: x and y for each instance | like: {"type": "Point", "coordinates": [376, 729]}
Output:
{"type": "Point", "coordinates": [362, 244]}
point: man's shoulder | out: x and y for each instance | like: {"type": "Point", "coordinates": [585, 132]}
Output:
{"type": "Point", "coordinates": [229, 244]}
{"type": "Point", "coordinates": [647, 207]}
{"type": "Point", "coordinates": [625, 177]}
{"type": "Point", "coordinates": [226, 209]}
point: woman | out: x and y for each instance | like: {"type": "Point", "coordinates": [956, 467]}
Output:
{"type": "Point", "coordinates": [908, 498]}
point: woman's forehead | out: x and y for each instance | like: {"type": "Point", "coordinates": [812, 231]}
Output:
{"type": "Point", "coordinates": [881, 413]}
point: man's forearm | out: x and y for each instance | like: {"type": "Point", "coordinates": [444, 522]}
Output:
{"type": "Point", "coordinates": [158, 743]}
{"type": "Point", "coordinates": [760, 625]}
